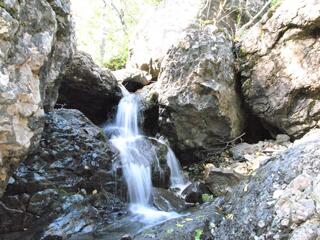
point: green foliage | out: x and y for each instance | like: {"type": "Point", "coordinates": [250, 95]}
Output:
{"type": "Point", "coordinates": [198, 233]}
{"type": "Point", "coordinates": [207, 197]}
{"type": "Point", "coordinates": [104, 27]}
{"type": "Point", "coordinates": [117, 61]}
{"type": "Point", "coordinates": [275, 3]}
{"type": "Point", "coordinates": [169, 231]}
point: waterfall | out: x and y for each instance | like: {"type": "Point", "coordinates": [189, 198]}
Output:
{"type": "Point", "coordinates": [137, 156]}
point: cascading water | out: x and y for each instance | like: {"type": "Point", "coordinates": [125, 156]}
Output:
{"type": "Point", "coordinates": [137, 156]}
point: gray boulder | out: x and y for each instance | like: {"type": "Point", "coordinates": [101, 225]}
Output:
{"type": "Point", "coordinates": [199, 104]}
{"type": "Point", "coordinates": [87, 87]}
{"type": "Point", "coordinates": [280, 201]}
{"type": "Point", "coordinates": [35, 42]}
{"type": "Point", "coordinates": [281, 68]}
{"type": "Point", "coordinates": [221, 181]}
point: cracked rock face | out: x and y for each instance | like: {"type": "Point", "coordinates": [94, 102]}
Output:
{"type": "Point", "coordinates": [281, 75]}
{"type": "Point", "coordinates": [66, 186]}
{"type": "Point", "coordinates": [199, 105]}
{"type": "Point", "coordinates": [281, 200]}
{"type": "Point", "coordinates": [31, 43]}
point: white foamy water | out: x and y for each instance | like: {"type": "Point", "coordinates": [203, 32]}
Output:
{"type": "Point", "coordinates": [137, 155]}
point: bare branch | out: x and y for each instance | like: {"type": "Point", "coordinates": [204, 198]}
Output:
{"type": "Point", "coordinates": [254, 19]}
{"type": "Point", "coordinates": [10, 209]}
{"type": "Point", "coordinates": [120, 14]}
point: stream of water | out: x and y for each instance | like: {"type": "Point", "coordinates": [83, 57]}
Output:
{"type": "Point", "coordinates": [137, 156]}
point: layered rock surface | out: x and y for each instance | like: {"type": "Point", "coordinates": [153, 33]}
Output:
{"type": "Point", "coordinates": [87, 87]}
{"type": "Point", "coordinates": [281, 78]}
{"type": "Point", "coordinates": [34, 36]}
{"type": "Point", "coordinates": [67, 186]}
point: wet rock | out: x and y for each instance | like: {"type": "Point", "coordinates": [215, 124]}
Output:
{"type": "Point", "coordinates": [166, 200]}
{"type": "Point", "coordinates": [32, 54]}
{"type": "Point", "coordinates": [196, 90]}
{"type": "Point", "coordinates": [67, 186]}
{"type": "Point", "coordinates": [41, 201]}
{"type": "Point", "coordinates": [193, 193]}
{"type": "Point", "coordinates": [185, 227]}
{"type": "Point", "coordinates": [221, 181]}
{"type": "Point", "coordinates": [88, 88]}
{"type": "Point", "coordinates": [160, 170]}
{"type": "Point", "coordinates": [149, 109]}
{"type": "Point", "coordinates": [132, 79]}
{"type": "Point", "coordinates": [280, 68]}
{"type": "Point", "coordinates": [278, 200]}
{"type": "Point", "coordinates": [126, 237]}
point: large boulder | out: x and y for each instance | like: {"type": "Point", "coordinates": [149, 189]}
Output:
{"type": "Point", "coordinates": [87, 87]}
{"type": "Point", "coordinates": [35, 42]}
{"type": "Point", "coordinates": [199, 103]}
{"type": "Point", "coordinates": [67, 186]}
{"type": "Point", "coordinates": [163, 27]}
{"type": "Point", "coordinates": [281, 200]}
{"type": "Point", "coordinates": [281, 71]}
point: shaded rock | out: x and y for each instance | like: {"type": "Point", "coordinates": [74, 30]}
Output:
{"type": "Point", "coordinates": [280, 70]}
{"type": "Point", "coordinates": [160, 169]}
{"type": "Point", "coordinates": [132, 79]}
{"type": "Point", "coordinates": [32, 54]}
{"type": "Point", "coordinates": [193, 193]}
{"type": "Point", "coordinates": [88, 88]}
{"type": "Point", "coordinates": [278, 201]}
{"type": "Point", "coordinates": [61, 53]}
{"type": "Point", "coordinates": [221, 181]}
{"type": "Point", "coordinates": [266, 148]}
{"type": "Point", "coordinates": [199, 105]}
{"type": "Point", "coordinates": [166, 200]}
{"type": "Point", "coordinates": [67, 185]}
{"type": "Point", "coordinates": [150, 109]}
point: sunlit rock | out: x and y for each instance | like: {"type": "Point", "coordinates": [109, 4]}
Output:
{"type": "Point", "coordinates": [280, 69]}
{"type": "Point", "coordinates": [35, 42]}
{"type": "Point", "coordinates": [199, 104]}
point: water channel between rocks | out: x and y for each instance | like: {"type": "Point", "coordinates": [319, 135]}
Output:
{"type": "Point", "coordinates": [138, 157]}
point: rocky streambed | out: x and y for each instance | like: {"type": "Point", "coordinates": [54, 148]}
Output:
{"type": "Point", "coordinates": [236, 99]}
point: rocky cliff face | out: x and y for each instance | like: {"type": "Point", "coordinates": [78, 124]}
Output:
{"type": "Point", "coordinates": [35, 36]}
{"type": "Point", "coordinates": [281, 78]}
{"type": "Point", "coordinates": [281, 201]}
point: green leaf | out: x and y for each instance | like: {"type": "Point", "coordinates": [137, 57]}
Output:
{"type": "Point", "coordinates": [198, 234]}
